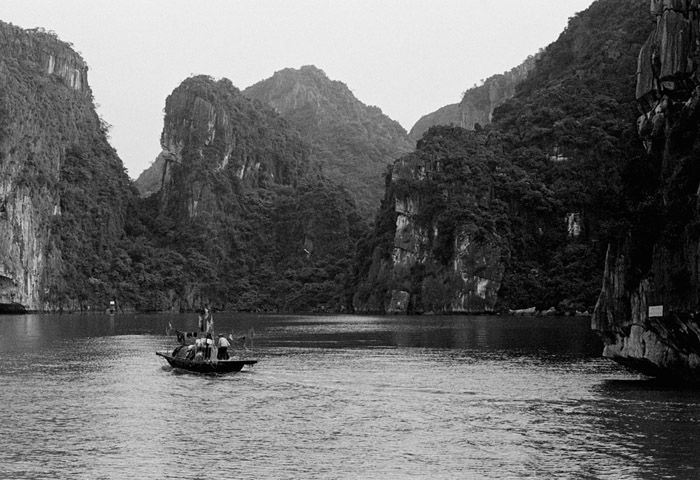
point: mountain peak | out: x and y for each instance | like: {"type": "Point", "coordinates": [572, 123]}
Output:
{"type": "Point", "coordinates": [354, 143]}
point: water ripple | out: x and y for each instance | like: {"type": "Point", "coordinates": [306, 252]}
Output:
{"type": "Point", "coordinates": [336, 398]}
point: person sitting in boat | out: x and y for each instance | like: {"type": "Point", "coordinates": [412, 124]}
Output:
{"type": "Point", "coordinates": [189, 355]}
{"type": "Point", "coordinates": [184, 351]}
{"type": "Point", "coordinates": [222, 353]}
{"type": "Point", "coordinates": [199, 349]}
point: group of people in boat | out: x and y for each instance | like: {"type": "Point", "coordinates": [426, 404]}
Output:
{"type": "Point", "coordinates": [199, 347]}
{"type": "Point", "coordinates": [203, 347]}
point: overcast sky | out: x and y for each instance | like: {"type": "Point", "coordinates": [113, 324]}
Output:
{"type": "Point", "coordinates": [408, 57]}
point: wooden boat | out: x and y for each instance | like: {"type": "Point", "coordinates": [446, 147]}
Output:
{"type": "Point", "coordinates": [210, 366]}
{"type": "Point", "coordinates": [189, 355]}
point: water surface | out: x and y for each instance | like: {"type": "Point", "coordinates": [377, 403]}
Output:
{"type": "Point", "coordinates": [335, 397]}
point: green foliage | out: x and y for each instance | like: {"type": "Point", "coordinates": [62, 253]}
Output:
{"type": "Point", "coordinates": [351, 142]}
{"type": "Point", "coordinates": [277, 239]}
{"type": "Point", "coordinates": [571, 129]}
{"type": "Point", "coordinates": [562, 146]}
{"type": "Point", "coordinates": [446, 189]}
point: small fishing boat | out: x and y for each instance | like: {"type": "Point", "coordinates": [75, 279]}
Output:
{"type": "Point", "coordinates": [206, 366]}
{"type": "Point", "coordinates": [199, 353]}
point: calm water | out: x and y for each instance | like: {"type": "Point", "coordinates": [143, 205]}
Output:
{"type": "Point", "coordinates": [341, 397]}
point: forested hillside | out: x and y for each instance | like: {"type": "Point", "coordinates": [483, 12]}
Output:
{"type": "Point", "coordinates": [353, 143]}
{"type": "Point", "coordinates": [245, 220]}
{"type": "Point", "coordinates": [562, 144]}
{"type": "Point", "coordinates": [259, 211]}
{"type": "Point", "coordinates": [64, 193]}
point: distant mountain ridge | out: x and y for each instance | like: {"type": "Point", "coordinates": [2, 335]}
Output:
{"type": "Point", "coordinates": [261, 228]}
{"type": "Point", "coordinates": [478, 103]}
{"type": "Point", "coordinates": [352, 142]}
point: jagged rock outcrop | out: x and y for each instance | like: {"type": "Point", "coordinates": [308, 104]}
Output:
{"type": "Point", "coordinates": [648, 311]}
{"type": "Point", "coordinates": [352, 142]}
{"type": "Point", "coordinates": [478, 103]}
{"type": "Point", "coordinates": [557, 150]}
{"type": "Point", "coordinates": [211, 127]}
{"type": "Point", "coordinates": [446, 254]}
{"type": "Point", "coordinates": [150, 180]}
{"type": "Point", "coordinates": [46, 111]}
{"type": "Point", "coordinates": [668, 63]}
{"type": "Point", "coordinates": [448, 115]}
{"type": "Point", "coordinates": [258, 225]}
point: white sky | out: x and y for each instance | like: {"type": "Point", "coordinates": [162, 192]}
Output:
{"type": "Point", "coordinates": [408, 57]}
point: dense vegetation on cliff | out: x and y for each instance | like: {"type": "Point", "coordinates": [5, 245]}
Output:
{"type": "Point", "coordinates": [257, 209]}
{"type": "Point", "coordinates": [244, 220]}
{"type": "Point", "coordinates": [442, 227]}
{"type": "Point", "coordinates": [63, 190]}
{"type": "Point", "coordinates": [353, 143]}
{"type": "Point", "coordinates": [562, 143]}
{"type": "Point", "coordinates": [571, 128]}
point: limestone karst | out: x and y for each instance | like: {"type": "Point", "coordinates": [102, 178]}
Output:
{"type": "Point", "coordinates": [647, 313]}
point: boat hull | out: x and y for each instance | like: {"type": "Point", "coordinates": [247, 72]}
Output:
{"type": "Point", "coordinates": [216, 366]}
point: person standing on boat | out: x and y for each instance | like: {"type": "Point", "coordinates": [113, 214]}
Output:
{"type": "Point", "coordinates": [200, 320]}
{"type": "Point", "coordinates": [222, 353]}
{"type": "Point", "coordinates": [208, 344]}
{"type": "Point", "coordinates": [205, 320]}
{"type": "Point", "coordinates": [208, 320]}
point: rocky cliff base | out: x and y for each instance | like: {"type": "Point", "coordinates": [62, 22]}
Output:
{"type": "Point", "coordinates": [648, 310]}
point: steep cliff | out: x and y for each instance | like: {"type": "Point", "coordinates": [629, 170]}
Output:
{"type": "Point", "coordinates": [647, 312]}
{"type": "Point", "coordinates": [48, 126]}
{"type": "Point", "coordinates": [478, 103]}
{"type": "Point", "coordinates": [448, 249]}
{"type": "Point", "coordinates": [352, 142]}
{"type": "Point", "coordinates": [242, 218]}
{"type": "Point", "coordinates": [243, 210]}
{"type": "Point", "coordinates": [555, 152]}
{"type": "Point", "coordinates": [447, 115]}
{"type": "Point", "coordinates": [209, 130]}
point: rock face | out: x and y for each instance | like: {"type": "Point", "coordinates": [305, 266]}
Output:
{"type": "Point", "coordinates": [647, 313]}
{"type": "Point", "coordinates": [447, 115]}
{"type": "Point", "coordinates": [444, 256]}
{"type": "Point", "coordinates": [352, 142]}
{"type": "Point", "coordinates": [478, 103]}
{"type": "Point", "coordinates": [668, 63]}
{"type": "Point", "coordinates": [45, 108]}
{"type": "Point", "coordinates": [209, 128]}
{"type": "Point", "coordinates": [257, 224]}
